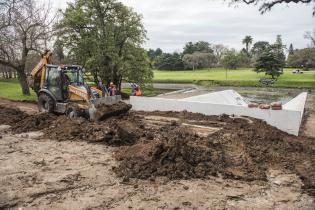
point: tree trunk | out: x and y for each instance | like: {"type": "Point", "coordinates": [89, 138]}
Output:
{"type": "Point", "coordinates": [10, 74]}
{"type": "Point", "coordinates": [23, 81]}
{"type": "Point", "coordinates": [116, 82]}
{"type": "Point", "coordinates": [120, 81]}
{"type": "Point", "coordinates": [6, 75]}
{"type": "Point", "coordinates": [95, 76]}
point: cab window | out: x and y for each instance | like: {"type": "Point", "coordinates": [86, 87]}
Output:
{"type": "Point", "coordinates": [53, 76]}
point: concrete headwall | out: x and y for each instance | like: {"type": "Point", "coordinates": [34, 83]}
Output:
{"type": "Point", "coordinates": [297, 103]}
{"type": "Point", "coordinates": [286, 120]}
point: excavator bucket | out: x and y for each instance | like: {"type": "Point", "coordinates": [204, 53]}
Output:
{"type": "Point", "coordinates": [107, 107]}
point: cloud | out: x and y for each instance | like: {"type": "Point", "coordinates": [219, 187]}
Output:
{"type": "Point", "coordinates": [172, 23]}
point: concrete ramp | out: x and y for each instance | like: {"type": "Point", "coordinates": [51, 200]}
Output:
{"type": "Point", "coordinates": [288, 119]}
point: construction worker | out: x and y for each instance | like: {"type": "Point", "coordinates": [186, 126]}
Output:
{"type": "Point", "coordinates": [137, 91]}
{"type": "Point", "coordinates": [112, 89]}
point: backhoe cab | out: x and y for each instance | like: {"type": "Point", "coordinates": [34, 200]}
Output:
{"type": "Point", "coordinates": [61, 89]}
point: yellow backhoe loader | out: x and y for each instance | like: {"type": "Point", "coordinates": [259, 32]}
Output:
{"type": "Point", "coordinates": [61, 89]}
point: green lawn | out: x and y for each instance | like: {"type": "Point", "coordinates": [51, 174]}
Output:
{"type": "Point", "coordinates": [11, 89]}
{"type": "Point", "coordinates": [242, 77]}
{"type": "Point", "coordinates": [239, 77]}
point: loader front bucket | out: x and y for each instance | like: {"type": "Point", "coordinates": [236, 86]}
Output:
{"type": "Point", "coordinates": [107, 107]}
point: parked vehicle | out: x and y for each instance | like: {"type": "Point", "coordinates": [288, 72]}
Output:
{"type": "Point", "coordinates": [297, 71]}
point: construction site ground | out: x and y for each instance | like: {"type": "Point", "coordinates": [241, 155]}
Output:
{"type": "Point", "coordinates": [158, 160]}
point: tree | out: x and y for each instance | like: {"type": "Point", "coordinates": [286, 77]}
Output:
{"type": "Point", "coordinates": [25, 27]}
{"type": "Point", "coordinates": [248, 40]}
{"type": "Point", "coordinates": [136, 65]}
{"type": "Point", "coordinates": [199, 60]}
{"type": "Point", "coordinates": [243, 59]}
{"type": "Point", "coordinates": [302, 58]}
{"type": "Point", "coordinates": [291, 50]}
{"type": "Point", "coordinates": [311, 36]}
{"type": "Point", "coordinates": [58, 52]}
{"type": "Point", "coordinates": [153, 55]}
{"type": "Point", "coordinates": [168, 61]}
{"type": "Point", "coordinates": [269, 63]}
{"type": "Point", "coordinates": [191, 61]}
{"type": "Point", "coordinates": [258, 49]}
{"type": "Point", "coordinates": [219, 50]}
{"type": "Point", "coordinates": [230, 60]}
{"type": "Point", "coordinates": [158, 52]}
{"type": "Point", "coordinates": [278, 48]}
{"type": "Point", "coordinates": [98, 35]}
{"type": "Point", "coordinates": [200, 46]}
{"type": "Point", "coordinates": [7, 72]}
{"type": "Point", "coordinates": [267, 5]}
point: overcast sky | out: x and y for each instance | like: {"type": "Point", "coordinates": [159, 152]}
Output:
{"type": "Point", "coordinates": [172, 23]}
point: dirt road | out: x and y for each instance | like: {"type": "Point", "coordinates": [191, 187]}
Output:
{"type": "Point", "coordinates": [30, 108]}
{"type": "Point", "coordinates": [46, 174]}
{"type": "Point", "coordinates": [66, 172]}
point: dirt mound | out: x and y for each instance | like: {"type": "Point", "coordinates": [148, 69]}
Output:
{"type": "Point", "coordinates": [240, 150]}
{"type": "Point", "coordinates": [34, 123]}
{"type": "Point", "coordinates": [106, 111]}
{"type": "Point", "coordinates": [113, 133]}
{"type": "Point", "coordinates": [179, 154]}
{"type": "Point", "coordinates": [11, 116]}
{"type": "Point", "coordinates": [64, 128]}
{"type": "Point", "coordinates": [22, 122]}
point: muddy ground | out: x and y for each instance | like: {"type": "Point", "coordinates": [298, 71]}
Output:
{"type": "Point", "coordinates": [158, 160]}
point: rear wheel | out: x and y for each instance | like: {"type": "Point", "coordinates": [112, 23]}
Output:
{"type": "Point", "coordinates": [46, 103]}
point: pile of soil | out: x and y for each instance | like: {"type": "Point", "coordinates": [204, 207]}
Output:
{"type": "Point", "coordinates": [106, 111]}
{"type": "Point", "coordinates": [10, 116]}
{"type": "Point", "coordinates": [64, 129]}
{"type": "Point", "coordinates": [178, 154]}
{"type": "Point", "coordinates": [240, 150]}
{"type": "Point", "coordinates": [112, 132]}
{"type": "Point", "coordinates": [34, 123]}
{"type": "Point", "coordinates": [21, 122]}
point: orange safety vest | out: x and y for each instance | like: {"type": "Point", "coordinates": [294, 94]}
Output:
{"type": "Point", "coordinates": [138, 93]}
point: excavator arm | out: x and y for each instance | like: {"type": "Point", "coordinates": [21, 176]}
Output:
{"type": "Point", "coordinates": [36, 81]}
{"type": "Point", "coordinates": [39, 67]}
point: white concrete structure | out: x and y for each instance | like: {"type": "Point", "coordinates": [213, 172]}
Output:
{"type": "Point", "coordinates": [297, 104]}
{"type": "Point", "coordinates": [288, 119]}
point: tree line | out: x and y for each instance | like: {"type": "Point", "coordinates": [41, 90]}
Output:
{"type": "Point", "coordinates": [202, 54]}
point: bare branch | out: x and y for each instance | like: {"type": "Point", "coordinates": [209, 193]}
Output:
{"type": "Point", "coordinates": [266, 5]}
{"type": "Point", "coordinates": [311, 37]}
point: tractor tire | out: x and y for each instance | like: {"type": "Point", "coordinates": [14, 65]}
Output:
{"type": "Point", "coordinates": [46, 103]}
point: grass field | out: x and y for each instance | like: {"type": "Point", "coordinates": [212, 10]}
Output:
{"type": "Point", "coordinates": [239, 77]}
{"type": "Point", "coordinates": [10, 89]}
{"type": "Point", "coordinates": [220, 77]}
